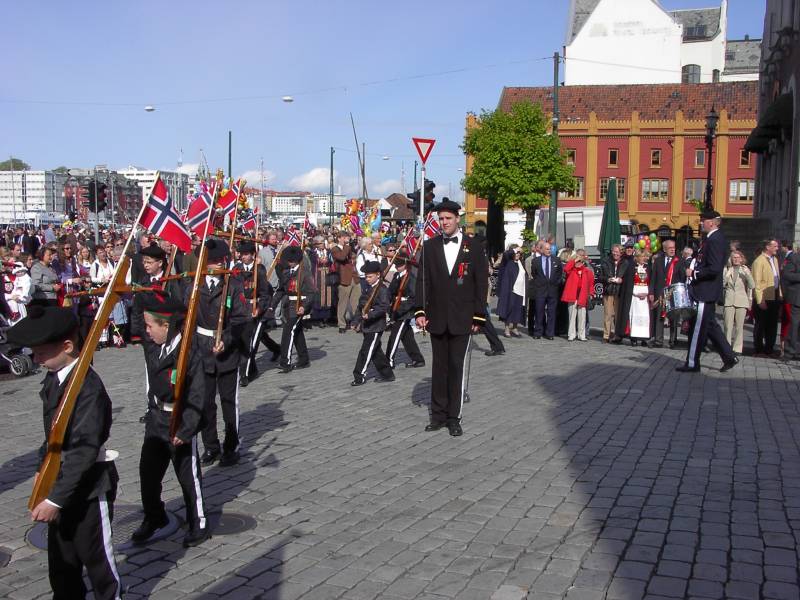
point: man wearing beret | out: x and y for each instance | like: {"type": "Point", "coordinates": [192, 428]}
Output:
{"type": "Point", "coordinates": [154, 263]}
{"type": "Point", "coordinates": [401, 295]}
{"type": "Point", "coordinates": [451, 305]}
{"type": "Point", "coordinates": [372, 322]}
{"type": "Point", "coordinates": [706, 289]}
{"type": "Point", "coordinates": [220, 359]}
{"type": "Point", "coordinates": [79, 506]}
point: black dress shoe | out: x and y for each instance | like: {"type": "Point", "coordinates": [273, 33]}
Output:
{"type": "Point", "coordinates": [494, 352]}
{"type": "Point", "coordinates": [287, 369]}
{"type": "Point", "coordinates": [386, 379]}
{"type": "Point", "coordinates": [148, 527]}
{"type": "Point", "coordinates": [434, 426]}
{"type": "Point", "coordinates": [616, 340]}
{"type": "Point", "coordinates": [359, 380]}
{"type": "Point", "coordinates": [455, 429]}
{"type": "Point", "coordinates": [209, 457]}
{"type": "Point", "coordinates": [728, 365]}
{"type": "Point", "coordinates": [342, 330]}
{"type": "Point", "coordinates": [304, 365]}
{"type": "Point", "coordinates": [537, 337]}
{"type": "Point", "coordinates": [415, 364]}
{"type": "Point", "coordinates": [229, 458]}
{"type": "Point", "coordinates": [549, 337]}
{"type": "Point", "coordinates": [243, 381]}
{"type": "Point", "coordinates": [687, 369]}
{"type": "Point", "coordinates": [195, 537]}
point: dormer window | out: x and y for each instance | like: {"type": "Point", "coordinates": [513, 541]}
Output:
{"type": "Point", "coordinates": [695, 32]}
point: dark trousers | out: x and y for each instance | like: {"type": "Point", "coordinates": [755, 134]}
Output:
{"type": "Point", "coordinates": [531, 316]}
{"type": "Point", "coordinates": [254, 333]}
{"type": "Point", "coordinates": [157, 453]}
{"type": "Point", "coordinates": [491, 335]}
{"type": "Point", "coordinates": [765, 328]}
{"type": "Point", "coordinates": [371, 351]}
{"type": "Point", "coordinates": [293, 336]}
{"type": "Point", "coordinates": [228, 385]}
{"type": "Point", "coordinates": [545, 315]}
{"type": "Point", "coordinates": [447, 390]}
{"type": "Point", "coordinates": [705, 327]}
{"type": "Point", "coordinates": [658, 327]}
{"type": "Point", "coordinates": [80, 538]}
{"type": "Point", "coordinates": [792, 348]}
{"type": "Point", "coordinates": [401, 332]}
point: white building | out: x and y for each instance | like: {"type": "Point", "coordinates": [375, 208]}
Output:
{"type": "Point", "coordinates": [322, 204]}
{"type": "Point", "coordinates": [638, 42]}
{"type": "Point", "coordinates": [288, 204]}
{"type": "Point", "coordinates": [25, 194]}
{"type": "Point", "coordinates": [177, 183]}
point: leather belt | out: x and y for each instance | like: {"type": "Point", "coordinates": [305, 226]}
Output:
{"type": "Point", "coordinates": [206, 332]}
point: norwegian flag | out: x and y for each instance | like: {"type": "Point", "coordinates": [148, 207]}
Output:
{"type": "Point", "coordinates": [250, 222]}
{"type": "Point", "coordinates": [291, 238]}
{"type": "Point", "coordinates": [160, 218]}
{"type": "Point", "coordinates": [228, 199]}
{"type": "Point", "coordinates": [411, 244]}
{"type": "Point", "coordinates": [197, 215]}
{"type": "Point", "coordinates": [431, 227]}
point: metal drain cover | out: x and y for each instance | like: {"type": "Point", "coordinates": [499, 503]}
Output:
{"type": "Point", "coordinates": [230, 523]}
{"type": "Point", "coordinates": [127, 517]}
{"type": "Point", "coordinates": [5, 556]}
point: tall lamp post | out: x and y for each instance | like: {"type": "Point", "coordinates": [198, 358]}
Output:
{"type": "Point", "coordinates": [711, 132]}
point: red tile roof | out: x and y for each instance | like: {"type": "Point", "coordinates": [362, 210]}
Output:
{"type": "Point", "coordinates": [653, 101]}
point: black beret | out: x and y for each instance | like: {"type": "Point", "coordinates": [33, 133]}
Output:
{"type": "Point", "coordinates": [401, 258]}
{"type": "Point", "coordinates": [447, 205]}
{"type": "Point", "coordinates": [292, 254]}
{"type": "Point", "coordinates": [217, 249]}
{"type": "Point", "coordinates": [371, 266]}
{"type": "Point", "coordinates": [247, 247]}
{"type": "Point", "coordinates": [43, 325]}
{"type": "Point", "coordinates": [709, 214]}
{"type": "Point", "coordinates": [162, 305]}
{"type": "Point", "coordinates": [154, 251]}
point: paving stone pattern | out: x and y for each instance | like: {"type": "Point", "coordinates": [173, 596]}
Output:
{"type": "Point", "coordinates": [586, 471]}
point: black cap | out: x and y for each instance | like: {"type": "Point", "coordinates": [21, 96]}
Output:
{"type": "Point", "coordinates": [217, 249]}
{"type": "Point", "coordinates": [709, 214]}
{"type": "Point", "coordinates": [292, 254]}
{"type": "Point", "coordinates": [43, 325]}
{"type": "Point", "coordinates": [371, 267]}
{"type": "Point", "coordinates": [161, 305]}
{"type": "Point", "coordinates": [154, 251]}
{"type": "Point", "coordinates": [447, 205]}
{"type": "Point", "coordinates": [247, 247]}
{"type": "Point", "coordinates": [402, 258]}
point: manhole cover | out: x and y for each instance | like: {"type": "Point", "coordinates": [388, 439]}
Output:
{"type": "Point", "coordinates": [127, 517]}
{"type": "Point", "coordinates": [230, 523]}
{"type": "Point", "coordinates": [5, 556]}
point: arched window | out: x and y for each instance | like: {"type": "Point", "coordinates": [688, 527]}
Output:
{"type": "Point", "coordinates": [690, 74]}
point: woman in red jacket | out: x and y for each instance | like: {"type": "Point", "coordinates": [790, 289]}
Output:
{"type": "Point", "coordinates": [578, 287]}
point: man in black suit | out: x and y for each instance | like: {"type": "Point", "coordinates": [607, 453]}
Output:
{"type": "Point", "coordinates": [706, 290]}
{"type": "Point", "coordinates": [451, 305]}
{"type": "Point", "coordinates": [546, 272]}
{"type": "Point", "coordinates": [665, 270]}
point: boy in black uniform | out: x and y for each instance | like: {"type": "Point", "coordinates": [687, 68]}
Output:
{"type": "Point", "coordinates": [163, 319]}
{"type": "Point", "coordinates": [286, 297]}
{"type": "Point", "coordinates": [251, 335]}
{"type": "Point", "coordinates": [154, 263]}
{"type": "Point", "coordinates": [372, 325]}
{"type": "Point", "coordinates": [80, 506]}
{"type": "Point", "coordinates": [220, 360]}
{"type": "Point", "coordinates": [401, 295]}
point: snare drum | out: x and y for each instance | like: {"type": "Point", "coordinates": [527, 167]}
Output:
{"type": "Point", "coordinates": [678, 303]}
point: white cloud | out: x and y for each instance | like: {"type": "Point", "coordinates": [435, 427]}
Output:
{"type": "Point", "coordinates": [317, 179]}
{"type": "Point", "coordinates": [384, 188]}
{"type": "Point", "coordinates": [253, 178]}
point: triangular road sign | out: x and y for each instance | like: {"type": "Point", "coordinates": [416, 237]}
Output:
{"type": "Point", "coordinates": [424, 147]}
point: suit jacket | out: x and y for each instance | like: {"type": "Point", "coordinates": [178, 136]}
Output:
{"type": "Point", "coordinates": [738, 287]}
{"type": "Point", "coordinates": [658, 273]}
{"type": "Point", "coordinates": [375, 321]}
{"type": "Point", "coordinates": [30, 244]}
{"type": "Point", "coordinates": [706, 283]}
{"type": "Point", "coordinates": [405, 309]}
{"type": "Point", "coordinates": [81, 477]}
{"type": "Point", "coordinates": [764, 278]}
{"type": "Point", "coordinates": [263, 288]}
{"type": "Point", "coordinates": [452, 301]}
{"type": "Point", "coordinates": [790, 279]}
{"type": "Point", "coordinates": [343, 259]}
{"type": "Point", "coordinates": [172, 288]}
{"type": "Point", "coordinates": [541, 286]}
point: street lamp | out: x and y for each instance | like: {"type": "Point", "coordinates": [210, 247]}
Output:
{"type": "Point", "coordinates": [711, 131]}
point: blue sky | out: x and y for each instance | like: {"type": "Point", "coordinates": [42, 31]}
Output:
{"type": "Point", "coordinates": [94, 65]}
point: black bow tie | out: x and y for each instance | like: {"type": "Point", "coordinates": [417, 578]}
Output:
{"type": "Point", "coordinates": [447, 240]}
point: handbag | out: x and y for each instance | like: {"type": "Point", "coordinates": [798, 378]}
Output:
{"type": "Point", "coordinates": [332, 279]}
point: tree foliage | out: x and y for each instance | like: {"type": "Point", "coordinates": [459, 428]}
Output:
{"type": "Point", "coordinates": [14, 164]}
{"type": "Point", "coordinates": [516, 161]}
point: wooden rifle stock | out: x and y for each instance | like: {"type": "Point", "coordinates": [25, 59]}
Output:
{"type": "Point", "coordinates": [402, 287]}
{"type": "Point", "coordinates": [225, 285]}
{"type": "Point", "coordinates": [374, 293]}
{"type": "Point", "coordinates": [254, 312]}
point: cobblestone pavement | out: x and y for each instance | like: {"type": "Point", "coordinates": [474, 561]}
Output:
{"type": "Point", "coordinates": [585, 471]}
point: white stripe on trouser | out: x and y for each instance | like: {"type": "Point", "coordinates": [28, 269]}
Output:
{"type": "Point", "coordinates": [464, 375]}
{"type": "Point", "coordinates": [105, 522]}
{"type": "Point", "coordinates": [698, 323]}
{"type": "Point", "coordinates": [236, 408]}
{"type": "Point", "coordinates": [369, 354]}
{"type": "Point", "coordinates": [396, 343]}
{"type": "Point", "coordinates": [198, 491]}
{"type": "Point", "coordinates": [291, 343]}
{"type": "Point", "coordinates": [253, 346]}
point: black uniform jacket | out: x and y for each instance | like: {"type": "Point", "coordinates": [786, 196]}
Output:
{"type": "Point", "coordinates": [405, 309]}
{"type": "Point", "coordinates": [540, 286]}
{"type": "Point", "coordinates": [81, 476]}
{"type": "Point", "coordinates": [658, 273]}
{"type": "Point", "coordinates": [236, 317]}
{"type": "Point", "coordinates": [286, 294]}
{"type": "Point", "coordinates": [452, 301]}
{"type": "Point", "coordinates": [172, 288]}
{"type": "Point", "coordinates": [707, 278]}
{"type": "Point", "coordinates": [375, 321]}
{"type": "Point", "coordinates": [263, 291]}
{"type": "Point", "coordinates": [161, 376]}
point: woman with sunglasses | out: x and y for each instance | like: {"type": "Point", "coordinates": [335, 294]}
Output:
{"type": "Point", "coordinates": [66, 267]}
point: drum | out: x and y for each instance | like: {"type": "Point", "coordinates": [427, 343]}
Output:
{"type": "Point", "coordinates": [677, 301]}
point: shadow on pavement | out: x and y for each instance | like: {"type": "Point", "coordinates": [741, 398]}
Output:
{"type": "Point", "coordinates": [16, 470]}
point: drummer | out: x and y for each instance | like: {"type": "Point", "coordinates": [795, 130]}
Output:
{"type": "Point", "coordinates": [665, 271]}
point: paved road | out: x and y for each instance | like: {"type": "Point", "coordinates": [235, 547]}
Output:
{"type": "Point", "coordinates": [586, 471]}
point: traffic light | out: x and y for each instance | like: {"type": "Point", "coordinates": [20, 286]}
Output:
{"type": "Point", "coordinates": [429, 196]}
{"type": "Point", "coordinates": [101, 198]}
{"type": "Point", "coordinates": [89, 195]}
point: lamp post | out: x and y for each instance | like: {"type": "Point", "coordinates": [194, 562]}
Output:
{"type": "Point", "coordinates": [711, 131]}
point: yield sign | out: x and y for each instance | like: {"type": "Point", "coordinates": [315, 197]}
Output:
{"type": "Point", "coordinates": [424, 147]}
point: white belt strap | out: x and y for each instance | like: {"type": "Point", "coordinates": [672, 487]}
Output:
{"type": "Point", "coordinates": [206, 332]}
{"type": "Point", "coordinates": [295, 297]}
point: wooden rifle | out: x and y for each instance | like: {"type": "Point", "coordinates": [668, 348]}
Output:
{"type": "Point", "coordinates": [376, 287]}
{"type": "Point", "coordinates": [136, 288]}
{"type": "Point", "coordinates": [255, 283]}
{"type": "Point", "coordinates": [225, 285]}
{"type": "Point", "coordinates": [402, 287]}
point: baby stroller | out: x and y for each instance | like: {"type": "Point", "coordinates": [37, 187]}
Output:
{"type": "Point", "coordinates": [17, 359]}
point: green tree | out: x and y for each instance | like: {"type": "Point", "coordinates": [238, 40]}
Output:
{"type": "Point", "coordinates": [517, 162]}
{"type": "Point", "coordinates": [14, 164]}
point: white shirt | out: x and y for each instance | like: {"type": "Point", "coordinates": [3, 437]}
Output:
{"type": "Point", "coordinates": [451, 250]}
{"type": "Point", "coordinates": [519, 282]}
{"type": "Point", "coordinates": [211, 281]}
{"type": "Point", "coordinates": [363, 258]}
